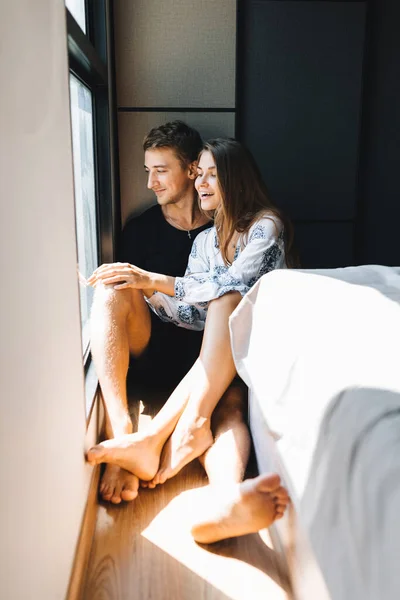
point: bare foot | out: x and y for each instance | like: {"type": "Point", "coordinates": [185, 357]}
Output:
{"type": "Point", "coordinates": [189, 440]}
{"type": "Point", "coordinates": [137, 453]}
{"type": "Point", "coordinates": [117, 485]}
{"type": "Point", "coordinates": [244, 508]}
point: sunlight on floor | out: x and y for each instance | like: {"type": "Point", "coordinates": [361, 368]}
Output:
{"type": "Point", "coordinates": [235, 578]}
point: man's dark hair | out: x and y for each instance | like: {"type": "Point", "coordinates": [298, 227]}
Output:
{"type": "Point", "coordinates": [177, 135]}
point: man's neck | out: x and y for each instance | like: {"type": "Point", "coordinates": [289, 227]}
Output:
{"type": "Point", "coordinates": [185, 213]}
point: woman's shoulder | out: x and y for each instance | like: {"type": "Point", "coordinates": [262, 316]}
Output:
{"type": "Point", "coordinates": [202, 237]}
{"type": "Point", "coordinates": [266, 225]}
{"type": "Point", "coordinates": [202, 242]}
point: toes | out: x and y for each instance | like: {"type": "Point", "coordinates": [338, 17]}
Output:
{"type": "Point", "coordinates": [107, 492]}
{"type": "Point", "coordinates": [117, 485]}
{"type": "Point", "coordinates": [163, 476]}
{"type": "Point", "coordinates": [130, 489]}
{"type": "Point", "coordinates": [280, 510]}
{"type": "Point", "coordinates": [116, 497]}
{"type": "Point", "coordinates": [129, 495]}
{"type": "Point", "coordinates": [96, 455]}
{"type": "Point", "coordinates": [267, 483]}
{"type": "Point", "coordinates": [148, 484]}
{"type": "Point", "coordinates": [281, 495]}
{"type": "Point", "coordinates": [155, 481]}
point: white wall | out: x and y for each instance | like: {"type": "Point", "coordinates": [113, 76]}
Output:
{"type": "Point", "coordinates": [44, 479]}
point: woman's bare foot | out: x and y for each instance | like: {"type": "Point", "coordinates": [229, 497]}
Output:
{"type": "Point", "coordinates": [137, 453]}
{"type": "Point", "coordinates": [117, 485]}
{"type": "Point", "coordinates": [245, 508]}
{"type": "Point", "coordinates": [190, 439]}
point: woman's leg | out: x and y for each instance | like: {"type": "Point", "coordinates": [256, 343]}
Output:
{"type": "Point", "coordinates": [196, 396]}
{"type": "Point", "coordinates": [226, 459]}
{"type": "Point", "coordinates": [215, 370]}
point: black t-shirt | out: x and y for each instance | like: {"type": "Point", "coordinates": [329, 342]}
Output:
{"type": "Point", "coordinates": [151, 243]}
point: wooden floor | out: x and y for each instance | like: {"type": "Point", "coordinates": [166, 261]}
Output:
{"type": "Point", "coordinates": [143, 550]}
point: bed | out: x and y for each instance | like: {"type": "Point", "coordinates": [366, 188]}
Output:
{"type": "Point", "coordinates": [320, 353]}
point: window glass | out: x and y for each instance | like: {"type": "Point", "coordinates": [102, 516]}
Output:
{"type": "Point", "coordinates": [77, 10]}
{"type": "Point", "coordinates": [85, 203]}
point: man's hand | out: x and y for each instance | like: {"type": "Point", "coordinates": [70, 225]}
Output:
{"type": "Point", "coordinates": [123, 275]}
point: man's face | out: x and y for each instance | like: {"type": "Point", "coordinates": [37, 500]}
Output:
{"type": "Point", "coordinates": [168, 179]}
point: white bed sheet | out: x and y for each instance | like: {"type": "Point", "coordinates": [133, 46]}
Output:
{"type": "Point", "coordinates": [320, 351]}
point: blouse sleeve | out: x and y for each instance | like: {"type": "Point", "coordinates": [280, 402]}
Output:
{"type": "Point", "coordinates": [264, 252]}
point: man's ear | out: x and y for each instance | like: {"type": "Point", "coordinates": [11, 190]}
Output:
{"type": "Point", "coordinates": [193, 169]}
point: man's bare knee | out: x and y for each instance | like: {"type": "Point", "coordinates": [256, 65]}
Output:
{"type": "Point", "coordinates": [126, 311]}
{"type": "Point", "coordinates": [107, 298]}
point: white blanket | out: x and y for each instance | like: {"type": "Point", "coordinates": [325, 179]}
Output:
{"type": "Point", "coordinates": [322, 356]}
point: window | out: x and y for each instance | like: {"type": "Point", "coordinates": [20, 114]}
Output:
{"type": "Point", "coordinates": [78, 11]}
{"type": "Point", "coordinates": [85, 202]}
{"type": "Point", "coordinates": [93, 133]}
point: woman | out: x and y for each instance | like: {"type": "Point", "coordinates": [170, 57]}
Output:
{"type": "Point", "coordinates": [250, 237]}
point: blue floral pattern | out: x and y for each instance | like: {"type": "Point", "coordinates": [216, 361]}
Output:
{"type": "Point", "coordinates": [258, 233]}
{"type": "Point", "coordinates": [188, 314]}
{"type": "Point", "coordinates": [167, 317]}
{"type": "Point", "coordinates": [193, 253]}
{"type": "Point", "coordinates": [179, 290]}
{"type": "Point", "coordinates": [207, 277]}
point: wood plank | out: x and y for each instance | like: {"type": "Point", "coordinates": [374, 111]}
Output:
{"type": "Point", "coordinates": [143, 550]}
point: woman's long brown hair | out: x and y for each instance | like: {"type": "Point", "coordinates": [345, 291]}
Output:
{"type": "Point", "coordinates": [244, 195]}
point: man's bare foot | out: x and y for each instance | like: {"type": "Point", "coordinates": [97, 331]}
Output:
{"type": "Point", "coordinates": [190, 439]}
{"type": "Point", "coordinates": [117, 485]}
{"type": "Point", "coordinates": [137, 453]}
{"type": "Point", "coordinates": [244, 508]}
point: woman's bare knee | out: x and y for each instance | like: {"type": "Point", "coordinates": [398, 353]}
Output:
{"type": "Point", "coordinates": [226, 302]}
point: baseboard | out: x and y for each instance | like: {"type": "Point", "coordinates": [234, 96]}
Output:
{"type": "Point", "coordinates": [84, 545]}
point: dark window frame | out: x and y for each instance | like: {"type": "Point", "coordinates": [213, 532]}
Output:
{"type": "Point", "coordinates": [91, 60]}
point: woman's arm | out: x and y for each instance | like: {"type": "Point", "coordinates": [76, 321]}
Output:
{"type": "Point", "coordinates": [125, 275]}
{"type": "Point", "coordinates": [264, 252]}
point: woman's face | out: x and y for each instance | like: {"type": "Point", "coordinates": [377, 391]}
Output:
{"type": "Point", "coordinates": [206, 182]}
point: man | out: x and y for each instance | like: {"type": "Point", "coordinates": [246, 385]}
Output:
{"type": "Point", "coordinates": [122, 324]}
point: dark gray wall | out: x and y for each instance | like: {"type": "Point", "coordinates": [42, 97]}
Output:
{"type": "Point", "coordinates": [378, 237]}
{"type": "Point", "coordinates": [318, 104]}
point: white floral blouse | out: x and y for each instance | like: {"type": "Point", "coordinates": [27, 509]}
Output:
{"type": "Point", "coordinates": [207, 277]}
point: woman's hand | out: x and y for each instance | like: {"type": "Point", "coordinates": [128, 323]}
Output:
{"type": "Point", "coordinates": [124, 275]}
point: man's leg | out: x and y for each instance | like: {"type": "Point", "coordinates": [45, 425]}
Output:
{"type": "Point", "coordinates": [228, 507]}
{"type": "Point", "coordinates": [239, 509]}
{"type": "Point", "coordinates": [226, 460]}
{"type": "Point", "coordinates": [201, 388]}
{"type": "Point", "coordinates": [120, 325]}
